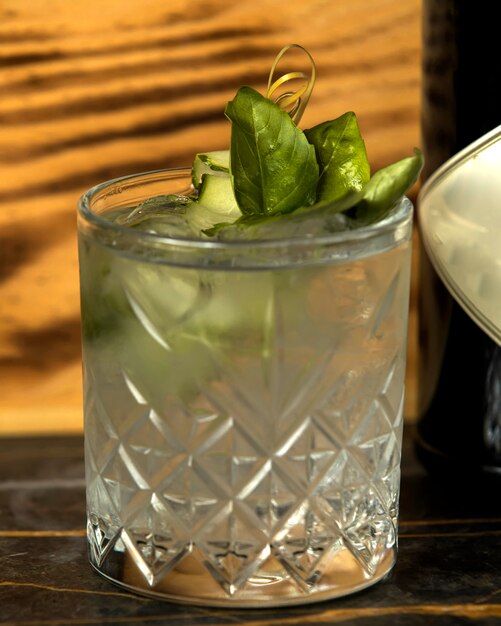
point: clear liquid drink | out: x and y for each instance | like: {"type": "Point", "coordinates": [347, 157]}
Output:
{"type": "Point", "coordinates": [243, 405]}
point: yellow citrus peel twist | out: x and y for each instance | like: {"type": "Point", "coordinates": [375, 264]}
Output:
{"type": "Point", "coordinates": [293, 102]}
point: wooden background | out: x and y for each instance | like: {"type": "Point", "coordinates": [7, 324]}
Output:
{"type": "Point", "coordinates": [92, 89]}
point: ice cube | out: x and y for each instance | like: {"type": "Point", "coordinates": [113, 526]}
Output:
{"type": "Point", "coordinates": [294, 225]}
{"type": "Point", "coordinates": [164, 215]}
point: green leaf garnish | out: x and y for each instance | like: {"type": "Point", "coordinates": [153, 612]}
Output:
{"type": "Point", "coordinates": [359, 208]}
{"type": "Point", "coordinates": [278, 181]}
{"type": "Point", "coordinates": [386, 188]}
{"type": "Point", "coordinates": [343, 185]}
{"type": "Point", "coordinates": [273, 166]}
{"type": "Point", "coordinates": [341, 156]}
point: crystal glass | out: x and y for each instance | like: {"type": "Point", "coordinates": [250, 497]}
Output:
{"type": "Point", "coordinates": [243, 405]}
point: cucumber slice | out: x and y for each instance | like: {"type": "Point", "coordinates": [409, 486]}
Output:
{"type": "Point", "coordinates": [216, 163]}
{"type": "Point", "coordinates": [216, 194]}
{"type": "Point", "coordinates": [189, 215]}
{"type": "Point", "coordinates": [216, 203]}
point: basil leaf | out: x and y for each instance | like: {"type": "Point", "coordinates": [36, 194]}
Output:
{"type": "Point", "coordinates": [273, 166]}
{"type": "Point", "coordinates": [386, 187]}
{"type": "Point", "coordinates": [341, 155]}
{"type": "Point", "coordinates": [358, 208]}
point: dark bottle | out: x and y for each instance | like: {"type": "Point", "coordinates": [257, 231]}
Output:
{"type": "Point", "coordinates": [459, 430]}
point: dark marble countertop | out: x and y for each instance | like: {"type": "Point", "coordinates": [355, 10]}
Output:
{"type": "Point", "coordinates": [448, 571]}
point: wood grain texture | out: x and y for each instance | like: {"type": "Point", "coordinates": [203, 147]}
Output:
{"type": "Point", "coordinates": [91, 90]}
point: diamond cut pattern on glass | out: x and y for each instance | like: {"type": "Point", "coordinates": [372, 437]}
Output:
{"type": "Point", "coordinates": [232, 546]}
{"type": "Point", "coordinates": [305, 544]}
{"type": "Point", "coordinates": [255, 462]}
{"type": "Point", "coordinates": [102, 538]}
{"type": "Point", "coordinates": [322, 459]}
{"type": "Point", "coordinates": [271, 499]}
{"type": "Point", "coordinates": [154, 554]}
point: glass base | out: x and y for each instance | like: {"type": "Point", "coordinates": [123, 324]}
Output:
{"type": "Point", "coordinates": [190, 582]}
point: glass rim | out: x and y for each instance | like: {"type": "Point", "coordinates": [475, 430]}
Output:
{"type": "Point", "coordinates": [344, 237]}
{"type": "Point", "coordinates": [459, 159]}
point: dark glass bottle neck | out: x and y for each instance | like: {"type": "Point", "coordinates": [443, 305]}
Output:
{"type": "Point", "coordinates": [461, 69]}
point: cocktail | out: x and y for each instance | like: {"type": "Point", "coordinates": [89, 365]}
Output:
{"type": "Point", "coordinates": [244, 371]}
